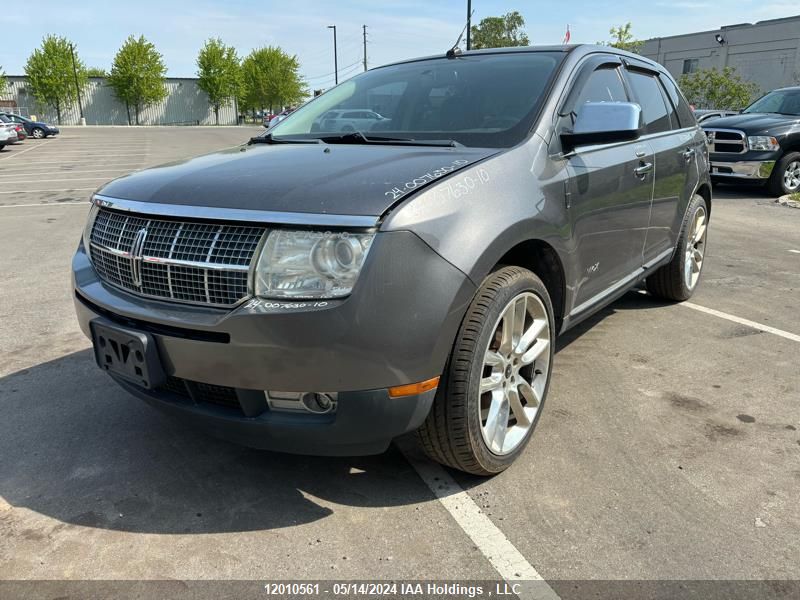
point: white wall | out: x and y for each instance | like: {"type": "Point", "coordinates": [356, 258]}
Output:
{"type": "Point", "coordinates": [185, 103]}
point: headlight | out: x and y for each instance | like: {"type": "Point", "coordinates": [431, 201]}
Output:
{"type": "Point", "coordinates": [762, 143]}
{"type": "Point", "coordinates": [310, 264]}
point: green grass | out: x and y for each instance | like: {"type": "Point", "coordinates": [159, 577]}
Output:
{"type": "Point", "coordinates": [795, 197]}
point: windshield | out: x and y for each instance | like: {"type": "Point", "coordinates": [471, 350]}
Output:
{"type": "Point", "coordinates": [783, 102]}
{"type": "Point", "coordinates": [486, 100]}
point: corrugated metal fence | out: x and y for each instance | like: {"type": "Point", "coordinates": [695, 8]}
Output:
{"type": "Point", "coordinates": [185, 104]}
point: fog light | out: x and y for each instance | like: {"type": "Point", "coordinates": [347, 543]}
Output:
{"type": "Point", "coordinates": [306, 402]}
{"type": "Point", "coordinates": [318, 403]}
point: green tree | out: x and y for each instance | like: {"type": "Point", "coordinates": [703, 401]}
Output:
{"type": "Point", "coordinates": [499, 32]}
{"type": "Point", "coordinates": [137, 75]}
{"type": "Point", "coordinates": [219, 71]}
{"type": "Point", "coordinates": [50, 74]}
{"type": "Point", "coordinates": [724, 90]}
{"type": "Point", "coordinates": [96, 72]}
{"type": "Point", "coordinates": [3, 82]}
{"type": "Point", "coordinates": [622, 39]}
{"type": "Point", "coordinates": [271, 78]}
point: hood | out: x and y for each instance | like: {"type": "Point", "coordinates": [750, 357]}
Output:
{"type": "Point", "coordinates": [755, 123]}
{"type": "Point", "coordinates": [309, 178]}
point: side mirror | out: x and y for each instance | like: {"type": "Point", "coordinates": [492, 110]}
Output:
{"type": "Point", "coordinates": [604, 123]}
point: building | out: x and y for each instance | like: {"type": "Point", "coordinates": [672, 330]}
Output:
{"type": "Point", "coordinates": [185, 104]}
{"type": "Point", "coordinates": [766, 53]}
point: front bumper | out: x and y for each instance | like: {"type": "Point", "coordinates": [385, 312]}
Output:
{"type": "Point", "coordinates": [759, 168]}
{"type": "Point", "coordinates": [396, 328]}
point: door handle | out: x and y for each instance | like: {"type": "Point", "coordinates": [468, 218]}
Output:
{"type": "Point", "coordinates": [689, 154]}
{"type": "Point", "coordinates": [643, 169]}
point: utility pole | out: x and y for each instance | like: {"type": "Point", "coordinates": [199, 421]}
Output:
{"type": "Point", "coordinates": [335, 57]}
{"type": "Point", "coordinates": [365, 46]}
{"type": "Point", "coordinates": [77, 87]}
{"type": "Point", "coordinates": [469, 24]}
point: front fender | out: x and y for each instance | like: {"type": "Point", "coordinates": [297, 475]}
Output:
{"type": "Point", "coordinates": [477, 215]}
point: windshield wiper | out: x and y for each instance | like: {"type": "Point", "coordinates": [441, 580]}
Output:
{"type": "Point", "coordinates": [357, 137]}
{"type": "Point", "coordinates": [268, 139]}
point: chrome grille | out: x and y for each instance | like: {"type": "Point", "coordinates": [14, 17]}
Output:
{"type": "Point", "coordinates": [726, 141]}
{"type": "Point", "coordinates": [195, 262]}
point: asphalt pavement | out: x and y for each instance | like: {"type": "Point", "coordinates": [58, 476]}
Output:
{"type": "Point", "coordinates": [669, 447]}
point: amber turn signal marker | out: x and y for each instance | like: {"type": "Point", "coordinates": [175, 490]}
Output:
{"type": "Point", "coordinates": [413, 388]}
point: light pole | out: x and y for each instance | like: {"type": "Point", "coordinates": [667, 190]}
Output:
{"type": "Point", "coordinates": [77, 86]}
{"type": "Point", "coordinates": [335, 57]}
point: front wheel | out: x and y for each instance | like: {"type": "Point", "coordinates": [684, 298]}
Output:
{"type": "Point", "coordinates": [678, 279]}
{"type": "Point", "coordinates": [786, 175]}
{"type": "Point", "coordinates": [494, 386]}
{"type": "Point", "coordinates": [38, 133]}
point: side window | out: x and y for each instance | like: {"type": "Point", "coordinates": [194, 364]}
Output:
{"type": "Point", "coordinates": [685, 115]}
{"type": "Point", "coordinates": [604, 85]}
{"type": "Point", "coordinates": [650, 98]}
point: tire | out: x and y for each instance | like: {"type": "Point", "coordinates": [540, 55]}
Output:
{"type": "Point", "coordinates": [778, 184]}
{"type": "Point", "coordinates": [2, 147]}
{"type": "Point", "coordinates": [456, 431]}
{"type": "Point", "coordinates": [38, 133]}
{"type": "Point", "coordinates": [677, 281]}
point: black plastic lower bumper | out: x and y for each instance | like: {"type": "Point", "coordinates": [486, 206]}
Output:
{"type": "Point", "coordinates": [364, 422]}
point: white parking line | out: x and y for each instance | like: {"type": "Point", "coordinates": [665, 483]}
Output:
{"type": "Point", "coordinates": [60, 172]}
{"type": "Point", "coordinates": [509, 562]}
{"type": "Point", "coordinates": [795, 251]}
{"type": "Point", "coordinates": [111, 160]}
{"type": "Point", "coordinates": [18, 152]}
{"type": "Point", "coordinates": [733, 318]}
{"type": "Point", "coordinates": [69, 203]}
{"type": "Point", "coordinates": [47, 191]}
{"type": "Point", "coordinates": [48, 180]}
{"type": "Point", "coordinates": [90, 154]}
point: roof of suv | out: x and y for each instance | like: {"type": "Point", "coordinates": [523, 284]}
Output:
{"type": "Point", "coordinates": [566, 49]}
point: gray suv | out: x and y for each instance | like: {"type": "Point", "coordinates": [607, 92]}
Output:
{"type": "Point", "coordinates": [323, 292]}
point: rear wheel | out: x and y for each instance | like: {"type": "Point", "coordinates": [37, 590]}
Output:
{"type": "Point", "coordinates": [494, 386]}
{"type": "Point", "coordinates": [678, 279]}
{"type": "Point", "coordinates": [785, 177]}
{"type": "Point", "coordinates": [38, 133]}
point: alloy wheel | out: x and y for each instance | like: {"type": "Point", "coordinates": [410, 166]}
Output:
{"type": "Point", "coordinates": [791, 177]}
{"type": "Point", "coordinates": [695, 248]}
{"type": "Point", "coordinates": [38, 134]}
{"type": "Point", "coordinates": [515, 369]}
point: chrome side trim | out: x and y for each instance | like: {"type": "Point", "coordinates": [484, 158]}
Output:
{"type": "Point", "coordinates": [236, 214]}
{"type": "Point", "coordinates": [606, 292]}
{"type": "Point", "coordinates": [661, 257]}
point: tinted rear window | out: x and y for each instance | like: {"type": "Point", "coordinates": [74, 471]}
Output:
{"type": "Point", "coordinates": [686, 117]}
{"type": "Point", "coordinates": [649, 96]}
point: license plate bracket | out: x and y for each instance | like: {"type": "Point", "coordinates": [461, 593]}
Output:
{"type": "Point", "coordinates": [127, 353]}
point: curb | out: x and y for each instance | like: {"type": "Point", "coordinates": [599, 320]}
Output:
{"type": "Point", "coordinates": [787, 201]}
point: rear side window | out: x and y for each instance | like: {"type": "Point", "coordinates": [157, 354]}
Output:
{"type": "Point", "coordinates": [649, 96]}
{"type": "Point", "coordinates": [604, 85]}
{"type": "Point", "coordinates": [685, 115]}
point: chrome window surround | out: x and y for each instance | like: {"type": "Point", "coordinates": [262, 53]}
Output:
{"type": "Point", "coordinates": [711, 139]}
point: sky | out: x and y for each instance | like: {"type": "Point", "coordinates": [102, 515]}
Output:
{"type": "Point", "coordinates": [396, 29]}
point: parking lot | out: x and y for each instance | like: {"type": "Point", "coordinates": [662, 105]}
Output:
{"type": "Point", "coordinates": [669, 448]}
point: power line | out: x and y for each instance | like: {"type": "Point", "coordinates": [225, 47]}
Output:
{"type": "Point", "coordinates": [331, 74]}
{"type": "Point", "coordinates": [343, 74]}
